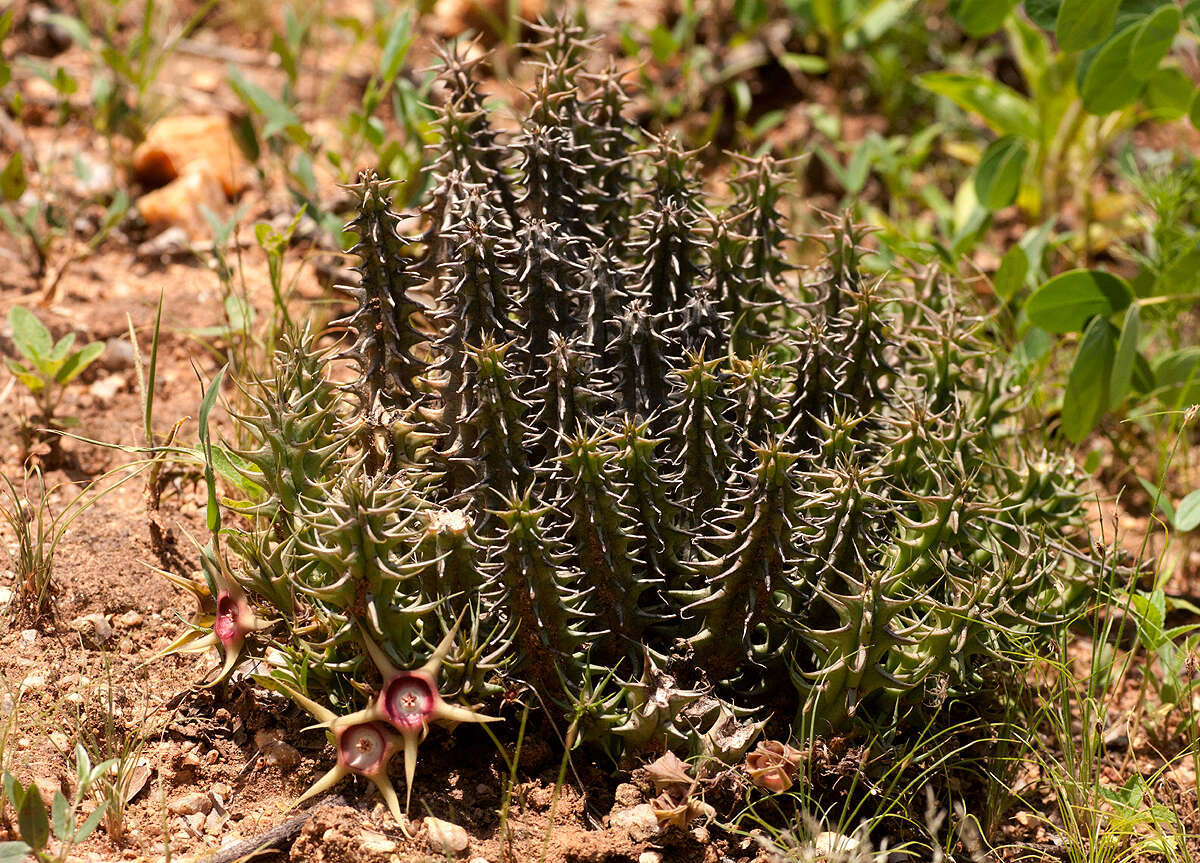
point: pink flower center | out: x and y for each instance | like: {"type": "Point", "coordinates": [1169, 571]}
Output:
{"type": "Point", "coordinates": [362, 747]}
{"type": "Point", "coordinates": [408, 701]}
{"type": "Point", "coordinates": [226, 625]}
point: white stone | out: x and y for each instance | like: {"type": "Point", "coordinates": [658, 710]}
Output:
{"type": "Point", "coordinates": [190, 804]}
{"type": "Point", "coordinates": [29, 636]}
{"type": "Point", "coordinates": [445, 837]}
{"type": "Point", "coordinates": [649, 857]}
{"type": "Point", "coordinates": [829, 843]}
{"type": "Point", "coordinates": [376, 843]}
{"type": "Point", "coordinates": [638, 821]}
{"type": "Point", "coordinates": [105, 389]}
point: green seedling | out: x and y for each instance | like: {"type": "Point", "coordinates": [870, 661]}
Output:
{"type": "Point", "coordinates": [47, 367]}
{"type": "Point", "coordinates": [62, 822]}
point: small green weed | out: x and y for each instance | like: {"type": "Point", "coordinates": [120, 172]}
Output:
{"type": "Point", "coordinates": [47, 366]}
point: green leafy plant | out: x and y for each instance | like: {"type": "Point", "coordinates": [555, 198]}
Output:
{"type": "Point", "coordinates": [701, 66]}
{"type": "Point", "coordinates": [104, 737]}
{"type": "Point", "coordinates": [1130, 357]}
{"type": "Point", "coordinates": [62, 822]}
{"type": "Point", "coordinates": [1093, 70]}
{"type": "Point", "coordinates": [47, 366]}
{"type": "Point", "coordinates": [628, 460]}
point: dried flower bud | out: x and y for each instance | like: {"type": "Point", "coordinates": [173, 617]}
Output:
{"type": "Point", "coordinates": [668, 773]}
{"type": "Point", "coordinates": [670, 809]}
{"type": "Point", "coordinates": [677, 808]}
{"type": "Point", "coordinates": [773, 764]}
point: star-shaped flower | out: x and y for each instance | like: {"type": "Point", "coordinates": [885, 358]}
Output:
{"type": "Point", "coordinates": [397, 718]}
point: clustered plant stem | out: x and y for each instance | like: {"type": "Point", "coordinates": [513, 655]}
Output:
{"type": "Point", "coordinates": [666, 480]}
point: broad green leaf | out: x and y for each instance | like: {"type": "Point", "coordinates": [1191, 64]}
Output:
{"type": "Point", "coordinates": [1181, 275]}
{"type": "Point", "coordinates": [29, 335]}
{"type": "Point", "coordinates": [32, 820]}
{"type": "Point", "coordinates": [235, 470]}
{"type": "Point", "coordinates": [1084, 23]}
{"type": "Point", "coordinates": [998, 177]}
{"type": "Point", "coordinates": [981, 17]}
{"type": "Point", "coordinates": [79, 361]}
{"type": "Point", "coordinates": [1086, 398]}
{"type": "Point", "coordinates": [663, 44]}
{"type": "Point", "coordinates": [26, 376]}
{"type": "Point", "coordinates": [1153, 40]}
{"type": "Point", "coordinates": [398, 42]}
{"type": "Point", "coordinates": [1122, 373]}
{"type": "Point", "coordinates": [91, 822]}
{"type": "Point", "coordinates": [1194, 110]}
{"type": "Point", "coordinates": [60, 817]}
{"type": "Point", "coordinates": [1150, 611]}
{"type": "Point", "coordinates": [1177, 378]}
{"type": "Point", "coordinates": [13, 790]}
{"type": "Point", "coordinates": [59, 351]}
{"type": "Point", "coordinates": [1043, 13]}
{"type": "Point", "coordinates": [1010, 277]}
{"type": "Point", "coordinates": [14, 852]}
{"type": "Point", "coordinates": [1001, 107]}
{"type": "Point", "coordinates": [1032, 348]}
{"type": "Point", "coordinates": [1157, 498]}
{"type": "Point", "coordinates": [1131, 11]}
{"type": "Point", "coordinates": [1105, 84]}
{"type": "Point", "coordinates": [1187, 514]}
{"type": "Point", "coordinates": [12, 178]}
{"type": "Point", "coordinates": [279, 116]}
{"type": "Point", "coordinates": [1065, 303]}
{"type": "Point", "coordinates": [1034, 243]}
{"type": "Point", "coordinates": [83, 765]}
{"type": "Point", "coordinates": [1169, 94]}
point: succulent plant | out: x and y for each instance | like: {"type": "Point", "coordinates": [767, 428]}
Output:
{"type": "Point", "coordinates": [656, 469]}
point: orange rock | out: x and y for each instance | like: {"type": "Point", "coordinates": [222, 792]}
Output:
{"type": "Point", "coordinates": [178, 202]}
{"type": "Point", "coordinates": [175, 144]}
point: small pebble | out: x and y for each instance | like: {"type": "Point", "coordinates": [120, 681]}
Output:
{"type": "Point", "coordinates": [131, 618]}
{"type": "Point", "coordinates": [649, 857]}
{"type": "Point", "coordinates": [195, 821]}
{"type": "Point", "coordinates": [33, 681]}
{"type": "Point", "coordinates": [191, 804]}
{"type": "Point", "coordinates": [639, 822]}
{"type": "Point", "coordinates": [6, 595]}
{"type": "Point", "coordinates": [94, 629]}
{"type": "Point", "coordinates": [61, 741]}
{"type": "Point", "coordinates": [627, 795]}
{"type": "Point", "coordinates": [29, 636]}
{"type": "Point", "coordinates": [446, 838]}
{"type": "Point", "coordinates": [118, 355]}
{"type": "Point", "coordinates": [106, 389]}
{"type": "Point", "coordinates": [280, 754]}
{"type": "Point", "coordinates": [376, 843]}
